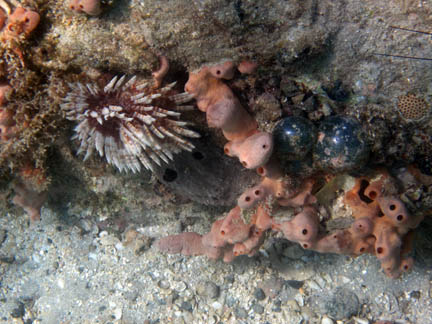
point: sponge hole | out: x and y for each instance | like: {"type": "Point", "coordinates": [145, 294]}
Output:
{"type": "Point", "coordinates": [169, 175]}
{"type": "Point", "coordinates": [197, 155]}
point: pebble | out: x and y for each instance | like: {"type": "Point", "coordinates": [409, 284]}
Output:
{"type": "Point", "coordinates": [187, 306]}
{"type": "Point", "coordinates": [360, 320]}
{"type": "Point", "coordinates": [240, 312]}
{"type": "Point", "coordinates": [88, 227]}
{"type": "Point", "coordinates": [3, 234]}
{"type": "Point", "coordinates": [293, 305]}
{"type": "Point", "coordinates": [164, 284]}
{"type": "Point", "coordinates": [179, 286]}
{"type": "Point", "coordinates": [277, 306]}
{"type": "Point", "coordinates": [299, 299]}
{"type": "Point", "coordinates": [257, 308]}
{"type": "Point", "coordinates": [216, 305]}
{"type": "Point", "coordinates": [208, 289]}
{"type": "Point", "coordinates": [287, 294]}
{"type": "Point", "coordinates": [342, 304]}
{"type": "Point", "coordinates": [326, 320]}
{"type": "Point", "coordinates": [296, 284]}
{"type": "Point", "coordinates": [118, 313]}
{"type": "Point", "coordinates": [60, 283]}
{"type": "Point", "coordinates": [19, 311]}
{"type": "Point", "coordinates": [272, 286]}
{"type": "Point", "coordinates": [229, 279]}
{"type": "Point", "coordinates": [313, 285]}
{"type": "Point", "coordinates": [301, 271]}
{"type": "Point", "coordinates": [109, 240]}
{"type": "Point", "coordinates": [259, 294]}
{"type": "Point", "coordinates": [231, 301]}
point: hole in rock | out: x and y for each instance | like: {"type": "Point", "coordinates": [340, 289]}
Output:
{"type": "Point", "coordinates": [399, 218]}
{"type": "Point", "coordinates": [380, 214]}
{"type": "Point", "coordinates": [247, 198]}
{"type": "Point", "coordinates": [380, 250]}
{"type": "Point", "coordinates": [260, 170]}
{"type": "Point", "coordinates": [197, 155]}
{"type": "Point", "coordinates": [305, 231]}
{"type": "Point", "coordinates": [257, 192]}
{"type": "Point", "coordinates": [169, 175]}
{"type": "Point", "coordinates": [392, 207]}
{"type": "Point", "coordinates": [362, 249]}
{"type": "Point", "coordinates": [305, 246]}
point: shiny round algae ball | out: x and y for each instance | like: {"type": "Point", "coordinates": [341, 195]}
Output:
{"type": "Point", "coordinates": [341, 145]}
{"type": "Point", "coordinates": [294, 137]}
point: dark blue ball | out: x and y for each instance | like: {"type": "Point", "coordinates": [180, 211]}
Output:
{"type": "Point", "coordinates": [294, 137]}
{"type": "Point", "coordinates": [341, 145]}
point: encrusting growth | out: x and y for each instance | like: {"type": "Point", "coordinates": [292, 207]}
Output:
{"type": "Point", "coordinates": [382, 224]}
{"type": "Point", "coordinates": [130, 122]}
{"type": "Point", "coordinates": [16, 26]}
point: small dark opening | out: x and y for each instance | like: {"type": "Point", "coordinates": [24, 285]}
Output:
{"type": "Point", "coordinates": [362, 249]}
{"type": "Point", "coordinates": [392, 207]}
{"type": "Point", "coordinates": [257, 192]}
{"type": "Point", "coordinates": [372, 194]}
{"type": "Point", "coordinates": [363, 185]}
{"type": "Point", "coordinates": [169, 175]}
{"type": "Point", "coordinates": [399, 218]}
{"type": "Point", "coordinates": [197, 155]}
{"type": "Point", "coordinates": [247, 198]}
{"type": "Point", "coordinates": [380, 214]}
{"type": "Point", "coordinates": [305, 231]}
{"type": "Point", "coordinates": [380, 250]}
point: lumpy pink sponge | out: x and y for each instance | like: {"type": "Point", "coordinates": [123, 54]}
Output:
{"type": "Point", "coordinates": [382, 225]}
{"type": "Point", "coordinates": [90, 7]}
{"type": "Point", "coordinates": [224, 111]}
